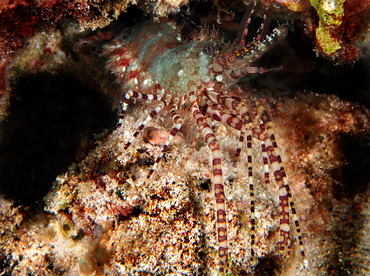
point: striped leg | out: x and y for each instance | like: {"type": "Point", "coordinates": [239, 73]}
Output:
{"type": "Point", "coordinates": [228, 103]}
{"type": "Point", "coordinates": [240, 144]}
{"type": "Point", "coordinates": [246, 20]}
{"type": "Point", "coordinates": [143, 124]}
{"type": "Point", "coordinates": [234, 112]}
{"type": "Point", "coordinates": [262, 30]}
{"type": "Point", "coordinates": [233, 105]}
{"type": "Point", "coordinates": [135, 95]}
{"type": "Point", "coordinates": [214, 111]}
{"type": "Point", "coordinates": [265, 158]}
{"type": "Point", "coordinates": [178, 124]}
{"type": "Point", "coordinates": [244, 112]}
{"type": "Point", "coordinates": [232, 121]}
{"type": "Point", "coordinates": [251, 189]}
{"type": "Point", "coordinates": [285, 197]}
{"type": "Point", "coordinates": [129, 94]}
{"type": "Point", "coordinates": [218, 186]}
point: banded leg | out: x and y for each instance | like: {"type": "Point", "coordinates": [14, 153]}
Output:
{"type": "Point", "coordinates": [228, 103]}
{"type": "Point", "coordinates": [241, 109]}
{"type": "Point", "coordinates": [232, 121]}
{"type": "Point", "coordinates": [218, 186]}
{"type": "Point", "coordinates": [285, 196]}
{"type": "Point", "coordinates": [265, 158]}
{"type": "Point", "coordinates": [131, 94]}
{"type": "Point", "coordinates": [178, 124]}
{"type": "Point", "coordinates": [214, 110]}
{"type": "Point", "coordinates": [244, 24]}
{"type": "Point", "coordinates": [135, 95]}
{"type": "Point", "coordinates": [251, 189]}
{"type": "Point", "coordinates": [195, 141]}
{"type": "Point", "coordinates": [263, 30]}
{"type": "Point", "coordinates": [244, 111]}
{"type": "Point", "coordinates": [236, 105]}
{"type": "Point", "coordinates": [240, 144]}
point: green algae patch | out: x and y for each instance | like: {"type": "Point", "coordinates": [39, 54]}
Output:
{"type": "Point", "coordinates": [327, 43]}
{"type": "Point", "coordinates": [330, 13]}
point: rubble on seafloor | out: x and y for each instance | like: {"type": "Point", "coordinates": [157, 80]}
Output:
{"type": "Point", "coordinates": [92, 213]}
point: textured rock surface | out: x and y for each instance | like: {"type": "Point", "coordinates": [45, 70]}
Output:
{"type": "Point", "coordinates": [101, 218]}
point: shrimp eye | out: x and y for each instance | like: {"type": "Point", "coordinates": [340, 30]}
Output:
{"type": "Point", "coordinates": [208, 48]}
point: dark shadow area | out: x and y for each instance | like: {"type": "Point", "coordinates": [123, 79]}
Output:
{"type": "Point", "coordinates": [51, 123]}
{"type": "Point", "coordinates": [356, 172]}
{"type": "Point", "coordinates": [343, 257]}
{"type": "Point", "coordinates": [268, 266]}
{"type": "Point", "coordinates": [348, 82]}
{"type": "Point", "coordinates": [299, 68]}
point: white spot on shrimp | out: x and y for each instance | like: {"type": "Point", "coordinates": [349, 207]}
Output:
{"type": "Point", "coordinates": [134, 66]}
{"type": "Point", "coordinates": [180, 73]}
{"type": "Point", "coordinates": [285, 227]}
{"type": "Point", "coordinates": [282, 192]}
{"type": "Point", "coordinates": [219, 78]}
{"type": "Point", "coordinates": [147, 82]}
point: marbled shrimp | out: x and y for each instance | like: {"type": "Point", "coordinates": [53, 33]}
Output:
{"type": "Point", "coordinates": [154, 64]}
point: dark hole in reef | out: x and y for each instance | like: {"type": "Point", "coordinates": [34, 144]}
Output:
{"type": "Point", "coordinates": [5, 264]}
{"type": "Point", "coordinates": [135, 212]}
{"type": "Point", "coordinates": [268, 266]}
{"type": "Point", "coordinates": [205, 184]}
{"type": "Point", "coordinates": [355, 173]}
{"type": "Point", "coordinates": [66, 228]}
{"type": "Point", "coordinates": [349, 82]}
{"type": "Point", "coordinates": [51, 124]}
